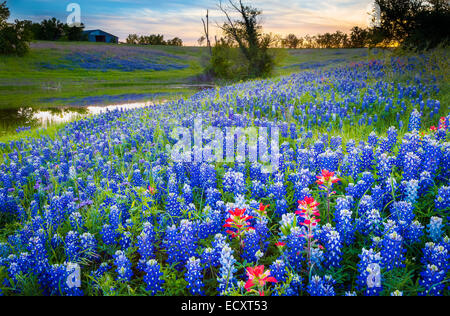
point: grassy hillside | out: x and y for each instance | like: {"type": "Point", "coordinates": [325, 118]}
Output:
{"type": "Point", "coordinates": [78, 74]}
{"type": "Point", "coordinates": [68, 74]}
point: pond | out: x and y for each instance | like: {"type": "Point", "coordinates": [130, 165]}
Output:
{"type": "Point", "coordinates": [17, 120]}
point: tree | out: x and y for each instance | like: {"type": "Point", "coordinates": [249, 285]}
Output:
{"type": "Point", "coordinates": [201, 40]}
{"type": "Point", "coordinates": [51, 30]}
{"type": "Point", "coordinates": [132, 39]}
{"type": "Point", "coordinates": [206, 31]}
{"type": "Point", "coordinates": [246, 31]}
{"type": "Point", "coordinates": [358, 37]}
{"type": "Point", "coordinates": [73, 33]}
{"type": "Point", "coordinates": [4, 13]}
{"type": "Point", "coordinates": [414, 23]}
{"type": "Point", "coordinates": [14, 37]}
{"type": "Point", "coordinates": [175, 42]}
{"type": "Point", "coordinates": [291, 41]}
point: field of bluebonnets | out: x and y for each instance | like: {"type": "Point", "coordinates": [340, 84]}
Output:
{"type": "Point", "coordinates": [359, 204]}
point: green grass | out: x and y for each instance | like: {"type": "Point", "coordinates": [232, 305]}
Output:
{"type": "Point", "coordinates": [24, 84]}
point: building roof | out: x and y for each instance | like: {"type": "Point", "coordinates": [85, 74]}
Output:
{"type": "Point", "coordinates": [90, 31]}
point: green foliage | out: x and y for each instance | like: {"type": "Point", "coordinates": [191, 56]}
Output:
{"type": "Point", "coordinates": [14, 38]}
{"type": "Point", "coordinates": [414, 23]}
{"type": "Point", "coordinates": [246, 33]}
{"type": "Point", "coordinates": [55, 30]}
{"type": "Point", "coordinates": [153, 39]}
{"type": "Point", "coordinates": [227, 62]}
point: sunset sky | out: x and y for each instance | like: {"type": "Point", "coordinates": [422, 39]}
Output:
{"type": "Point", "coordinates": [182, 17]}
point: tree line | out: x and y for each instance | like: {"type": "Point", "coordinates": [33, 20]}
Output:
{"type": "Point", "coordinates": [410, 24]}
{"type": "Point", "coordinates": [357, 38]}
{"type": "Point", "coordinates": [153, 39]}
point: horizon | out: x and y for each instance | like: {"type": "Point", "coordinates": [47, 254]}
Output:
{"type": "Point", "coordinates": [176, 18]}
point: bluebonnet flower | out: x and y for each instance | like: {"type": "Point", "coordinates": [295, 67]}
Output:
{"type": "Point", "coordinates": [73, 246]}
{"type": "Point", "coordinates": [370, 223]}
{"type": "Point", "coordinates": [109, 235]}
{"type": "Point", "coordinates": [403, 215]}
{"type": "Point", "coordinates": [100, 272]}
{"type": "Point", "coordinates": [58, 276]}
{"type": "Point", "coordinates": [411, 191]}
{"type": "Point", "coordinates": [295, 285]}
{"type": "Point", "coordinates": [321, 286]}
{"type": "Point", "coordinates": [153, 277]}
{"type": "Point", "coordinates": [251, 246]}
{"type": "Point", "coordinates": [415, 121]}
{"type": "Point", "coordinates": [279, 271]}
{"type": "Point", "coordinates": [76, 221]}
{"type": "Point", "coordinates": [145, 242]}
{"type": "Point", "coordinates": [125, 240]}
{"type": "Point", "coordinates": [295, 247]}
{"type": "Point", "coordinates": [38, 254]}
{"type": "Point", "coordinates": [173, 206]}
{"type": "Point", "coordinates": [443, 199]}
{"type": "Point", "coordinates": [435, 229]}
{"type": "Point", "coordinates": [123, 267]}
{"type": "Point", "coordinates": [432, 281]}
{"type": "Point", "coordinates": [193, 276]}
{"type": "Point", "coordinates": [414, 232]}
{"type": "Point", "coordinates": [212, 196]}
{"type": "Point", "coordinates": [331, 241]}
{"type": "Point", "coordinates": [187, 194]}
{"type": "Point", "coordinates": [226, 278]}
{"type": "Point", "coordinates": [234, 182]}
{"type": "Point", "coordinates": [180, 243]}
{"type": "Point", "coordinates": [392, 251]}
{"type": "Point", "coordinates": [369, 272]}
{"type": "Point", "coordinates": [137, 179]}
{"type": "Point", "coordinates": [88, 246]}
{"type": "Point", "coordinates": [281, 207]}
{"type": "Point", "coordinates": [411, 166]}
{"type": "Point", "coordinates": [345, 226]}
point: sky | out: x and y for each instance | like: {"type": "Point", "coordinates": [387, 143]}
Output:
{"type": "Point", "coordinates": [182, 18]}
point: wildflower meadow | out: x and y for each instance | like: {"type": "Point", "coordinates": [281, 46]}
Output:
{"type": "Point", "coordinates": [356, 204]}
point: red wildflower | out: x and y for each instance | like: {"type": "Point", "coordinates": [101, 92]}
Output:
{"type": "Point", "coordinates": [151, 190]}
{"type": "Point", "coordinates": [280, 244]}
{"type": "Point", "coordinates": [308, 210]}
{"type": "Point", "coordinates": [443, 123]}
{"type": "Point", "coordinates": [238, 221]}
{"type": "Point", "coordinates": [262, 210]}
{"type": "Point", "coordinates": [327, 178]}
{"type": "Point", "coordinates": [258, 278]}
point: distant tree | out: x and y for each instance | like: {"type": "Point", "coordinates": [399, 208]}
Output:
{"type": "Point", "coordinates": [358, 37]}
{"type": "Point", "coordinates": [206, 31]}
{"type": "Point", "coordinates": [73, 33]}
{"type": "Point", "coordinates": [175, 42]}
{"type": "Point", "coordinates": [291, 41]}
{"type": "Point", "coordinates": [132, 39]}
{"type": "Point", "coordinates": [14, 37]}
{"type": "Point", "coordinates": [4, 13]}
{"type": "Point", "coordinates": [246, 32]}
{"type": "Point", "coordinates": [51, 30]}
{"type": "Point", "coordinates": [201, 40]}
{"type": "Point", "coordinates": [414, 23]}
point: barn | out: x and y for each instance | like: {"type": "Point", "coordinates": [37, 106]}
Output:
{"type": "Point", "coordinates": [100, 36]}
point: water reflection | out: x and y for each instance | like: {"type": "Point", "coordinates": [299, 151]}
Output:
{"type": "Point", "coordinates": [12, 119]}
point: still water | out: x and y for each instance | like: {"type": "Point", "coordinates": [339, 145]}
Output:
{"type": "Point", "coordinates": [12, 119]}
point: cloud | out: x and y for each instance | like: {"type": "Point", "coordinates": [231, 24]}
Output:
{"type": "Point", "coordinates": [182, 17]}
